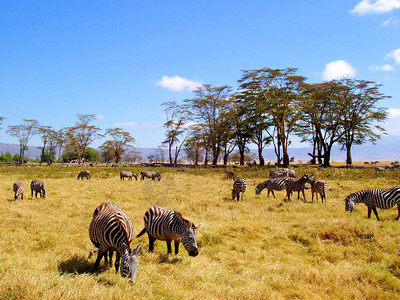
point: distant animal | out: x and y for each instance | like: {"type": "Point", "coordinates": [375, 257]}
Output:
{"type": "Point", "coordinates": [18, 189]}
{"type": "Point", "coordinates": [85, 174]}
{"type": "Point", "coordinates": [124, 174]}
{"type": "Point", "coordinates": [380, 169]}
{"type": "Point", "coordinates": [297, 185]}
{"type": "Point", "coordinates": [150, 174]}
{"type": "Point", "coordinates": [38, 187]}
{"type": "Point", "coordinates": [112, 230]}
{"type": "Point", "coordinates": [373, 198]}
{"type": "Point", "coordinates": [273, 184]}
{"type": "Point", "coordinates": [239, 186]}
{"type": "Point", "coordinates": [230, 175]}
{"type": "Point", "coordinates": [282, 173]}
{"type": "Point", "coordinates": [168, 225]}
{"type": "Point", "coordinates": [318, 187]}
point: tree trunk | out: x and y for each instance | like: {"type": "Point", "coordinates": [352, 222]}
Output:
{"type": "Point", "coordinates": [349, 160]}
{"type": "Point", "coordinates": [260, 156]}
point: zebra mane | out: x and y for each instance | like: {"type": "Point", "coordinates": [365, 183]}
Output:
{"type": "Point", "coordinates": [179, 215]}
{"type": "Point", "coordinates": [124, 230]}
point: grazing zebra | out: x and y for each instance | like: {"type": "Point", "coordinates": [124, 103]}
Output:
{"type": "Point", "coordinates": [230, 175]}
{"type": "Point", "coordinates": [274, 184]}
{"type": "Point", "coordinates": [281, 173]}
{"type": "Point", "coordinates": [38, 187]}
{"type": "Point", "coordinates": [18, 189]}
{"type": "Point", "coordinates": [150, 174]}
{"type": "Point", "coordinates": [373, 198]}
{"type": "Point", "coordinates": [239, 186]}
{"type": "Point", "coordinates": [298, 185]}
{"type": "Point", "coordinates": [124, 174]}
{"type": "Point", "coordinates": [85, 174]}
{"type": "Point", "coordinates": [112, 230]}
{"type": "Point", "coordinates": [168, 225]}
{"type": "Point", "coordinates": [318, 187]}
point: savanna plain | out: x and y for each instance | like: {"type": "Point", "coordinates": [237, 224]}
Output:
{"type": "Point", "coordinates": [261, 248]}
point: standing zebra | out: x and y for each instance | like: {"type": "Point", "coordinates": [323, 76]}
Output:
{"type": "Point", "coordinates": [150, 174]}
{"type": "Point", "coordinates": [85, 174]}
{"type": "Point", "coordinates": [239, 186]}
{"type": "Point", "coordinates": [230, 175]}
{"type": "Point", "coordinates": [274, 184]}
{"type": "Point", "coordinates": [112, 230]}
{"type": "Point", "coordinates": [38, 187]}
{"type": "Point", "coordinates": [18, 189]}
{"type": "Point", "coordinates": [298, 185]}
{"type": "Point", "coordinates": [124, 174]}
{"type": "Point", "coordinates": [373, 198]}
{"type": "Point", "coordinates": [168, 225]}
{"type": "Point", "coordinates": [318, 187]}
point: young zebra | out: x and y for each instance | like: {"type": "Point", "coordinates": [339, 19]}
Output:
{"type": "Point", "coordinates": [230, 175]}
{"type": "Point", "coordinates": [112, 230]}
{"type": "Point", "coordinates": [85, 174]}
{"type": "Point", "coordinates": [297, 185]}
{"type": "Point", "coordinates": [38, 187]}
{"type": "Point", "coordinates": [274, 184]}
{"type": "Point", "coordinates": [150, 174]}
{"type": "Point", "coordinates": [239, 186]}
{"type": "Point", "coordinates": [318, 187]}
{"type": "Point", "coordinates": [168, 225]}
{"type": "Point", "coordinates": [124, 174]}
{"type": "Point", "coordinates": [18, 189]}
{"type": "Point", "coordinates": [373, 198]}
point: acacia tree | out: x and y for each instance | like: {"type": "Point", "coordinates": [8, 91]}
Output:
{"type": "Point", "coordinates": [120, 143]}
{"type": "Point", "coordinates": [45, 133]}
{"type": "Point", "coordinates": [24, 133]}
{"type": "Point", "coordinates": [82, 134]}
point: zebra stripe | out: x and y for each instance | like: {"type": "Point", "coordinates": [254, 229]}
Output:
{"type": "Point", "coordinates": [319, 187]}
{"type": "Point", "coordinates": [18, 189]}
{"type": "Point", "coordinates": [230, 175]}
{"type": "Point", "coordinates": [239, 186]}
{"type": "Point", "coordinates": [110, 230]}
{"type": "Point", "coordinates": [150, 174]}
{"type": "Point", "coordinates": [274, 184]}
{"type": "Point", "coordinates": [281, 173]}
{"type": "Point", "coordinates": [168, 225]}
{"type": "Point", "coordinates": [373, 198]}
{"type": "Point", "coordinates": [38, 187]}
{"type": "Point", "coordinates": [85, 174]}
{"type": "Point", "coordinates": [298, 185]}
{"type": "Point", "coordinates": [124, 174]}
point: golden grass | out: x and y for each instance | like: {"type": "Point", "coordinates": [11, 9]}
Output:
{"type": "Point", "coordinates": [262, 248]}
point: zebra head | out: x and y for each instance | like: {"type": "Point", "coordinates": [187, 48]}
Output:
{"type": "Point", "coordinates": [129, 262]}
{"type": "Point", "coordinates": [189, 239]}
{"type": "Point", "coordinates": [350, 203]}
{"type": "Point", "coordinates": [44, 193]}
{"type": "Point", "coordinates": [310, 178]}
{"type": "Point", "coordinates": [259, 188]}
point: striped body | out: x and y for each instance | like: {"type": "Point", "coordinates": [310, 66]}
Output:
{"type": "Point", "coordinates": [127, 174]}
{"type": "Point", "coordinates": [373, 198]}
{"type": "Point", "coordinates": [85, 174]}
{"type": "Point", "coordinates": [319, 187]}
{"type": "Point", "coordinates": [18, 189]}
{"type": "Point", "coordinates": [150, 174]}
{"type": "Point", "coordinates": [239, 186]}
{"type": "Point", "coordinates": [230, 175]}
{"type": "Point", "coordinates": [298, 185]}
{"type": "Point", "coordinates": [168, 225]}
{"type": "Point", "coordinates": [281, 173]}
{"type": "Point", "coordinates": [112, 230]}
{"type": "Point", "coordinates": [37, 186]}
{"type": "Point", "coordinates": [274, 184]}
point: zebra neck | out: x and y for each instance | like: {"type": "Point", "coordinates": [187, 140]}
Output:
{"type": "Point", "coordinates": [180, 223]}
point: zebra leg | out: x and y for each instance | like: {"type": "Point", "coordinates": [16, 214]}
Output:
{"type": "Point", "coordinates": [151, 243]}
{"type": "Point", "coordinates": [176, 247]}
{"type": "Point", "coordinates": [376, 213]}
{"type": "Point", "coordinates": [242, 196]}
{"type": "Point", "coordinates": [398, 208]}
{"type": "Point", "coordinates": [369, 212]}
{"type": "Point", "coordinates": [272, 192]}
{"type": "Point", "coordinates": [96, 265]}
{"type": "Point", "coordinates": [304, 196]}
{"type": "Point", "coordinates": [169, 247]}
{"type": "Point", "coordinates": [117, 261]}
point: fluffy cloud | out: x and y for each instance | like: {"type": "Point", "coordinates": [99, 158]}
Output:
{"type": "Point", "coordinates": [178, 84]}
{"type": "Point", "coordinates": [338, 69]}
{"type": "Point", "coordinates": [378, 6]}
{"type": "Point", "coordinates": [394, 113]}
{"type": "Point", "coordinates": [395, 54]}
{"type": "Point", "coordinates": [387, 68]}
{"type": "Point", "coordinates": [134, 124]}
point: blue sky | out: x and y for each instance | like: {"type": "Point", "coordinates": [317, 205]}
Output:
{"type": "Point", "coordinates": [121, 59]}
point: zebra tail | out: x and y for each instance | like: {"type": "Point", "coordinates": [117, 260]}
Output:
{"type": "Point", "coordinates": [141, 233]}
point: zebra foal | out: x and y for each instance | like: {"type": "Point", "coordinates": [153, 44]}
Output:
{"type": "Point", "coordinates": [230, 175]}
{"type": "Point", "coordinates": [297, 185]}
{"type": "Point", "coordinates": [239, 186]}
{"type": "Point", "coordinates": [318, 187]}
{"type": "Point", "coordinates": [150, 174]}
{"type": "Point", "coordinates": [168, 225]}
{"type": "Point", "coordinates": [18, 189]}
{"type": "Point", "coordinates": [112, 230]}
{"type": "Point", "coordinates": [85, 174]}
{"type": "Point", "coordinates": [373, 198]}
{"type": "Point", "coordinates": [38, 187]}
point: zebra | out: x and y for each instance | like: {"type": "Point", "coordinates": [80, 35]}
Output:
{"type": "Point", "coordinates": [18, 189]}
{"type": "Point", "coordinates": [150, 174]}
{"type": "Point", "coordinates": [230, 175]}
{"type": "Point", "coordinates": [274, 184]}
{"type": "Point", "coordinates": [112, 230]}
{"type": "Point", "coordinates": [168, 225]}
{"type": "Point", "coordinates": [281, 173]}
{"type": "Point", "coordinates": [124, 174]}
{"type": "Point", "coordinates": [38, 187]}
{"type": "Point", "coordinates": [318, 187]}
{"type": "Point", "coordinates": [85, 174]}
{"type": "Point", "coordinates": [373, 198]}
{"type": "Point", "coordinates": [298, 185]}
{"type": "Point", "coordinates": [239, 186]}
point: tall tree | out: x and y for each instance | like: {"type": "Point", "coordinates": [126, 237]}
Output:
{"type": "Point", "coordinates": [121, 141]}
{"type": "Point", "coordinates": [45, 133]}
{"type": "Point", "coordinates": [24, 133]}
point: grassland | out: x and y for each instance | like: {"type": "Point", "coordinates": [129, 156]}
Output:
{"type": "Point", "coordinates": [262, 248]}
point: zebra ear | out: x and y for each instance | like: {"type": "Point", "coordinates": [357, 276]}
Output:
{"type": "Point", "coordinates": [124, 248]}
{"type": "Point", "coordinates": [137, 249]}
{"type": "Point", "coordinates": [197, 226]}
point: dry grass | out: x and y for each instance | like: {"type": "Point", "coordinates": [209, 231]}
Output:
{"type": "Point", "coordinates": [262, 248]}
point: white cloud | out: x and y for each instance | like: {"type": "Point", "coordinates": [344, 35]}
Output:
{"type": "Point", "coordinates": [387, 68]}
{"type": "Point", "coordinates": [134, 124]}
{"type": "Point", "coordinates": [178, 84]}
{"type": "Point", "coordinates": [392, 123]}
{"type": "Point", "coordinates": [391, 21]}
{"type": "Point", "coordinates": [99, 117]}
{"type": "Point", "coordinates": [338, 69]}
{"type": "Point", "coordinates": [395, 54]}
{"type": "Point", "coordinates": [394, 113]}
{"type": "Point", "coordinates": [378, 6]}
